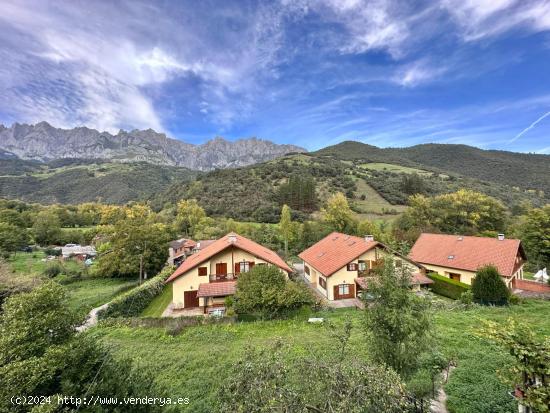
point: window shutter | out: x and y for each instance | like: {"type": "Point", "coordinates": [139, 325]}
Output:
{"type": "Point", "coordinates": [251, 264]}
{"type": "Point", "coordinates": [237, 268]}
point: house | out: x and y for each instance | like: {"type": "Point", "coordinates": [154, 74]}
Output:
{"type": "Point", "coordinates": [340, 266]}
{"type": "Point", "coordinates": [206, 277]}
{"type": "Point", "coordinates": [180, 249]}
{"type": "Point", "coordinates": [77, 251]}
{"type": "Point", "coordinates": [459, 257]}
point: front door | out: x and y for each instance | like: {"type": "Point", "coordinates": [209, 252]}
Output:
{"type": "Point", "coordinates": [190, 299]}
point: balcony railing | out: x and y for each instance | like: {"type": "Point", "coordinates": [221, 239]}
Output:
{"type": "Point", "coordinates": [223, 277]}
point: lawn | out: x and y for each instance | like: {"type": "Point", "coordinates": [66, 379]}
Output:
{"type": "Point", "coordinates": [379, 166]}
{"type": "Point", "coordinates": [194, 363]}
{"type": "Point", "coordinates": [374, 206]}
{"type": "Point", "coordinates": [87, 293]}
{"type": "Point", "coordinates": [159, 303]}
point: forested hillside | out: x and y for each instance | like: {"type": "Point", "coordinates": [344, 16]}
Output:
{"type": "Point", "coordinates": [76, 181]}
{"type": "Point", "coordinates": [527, 171]}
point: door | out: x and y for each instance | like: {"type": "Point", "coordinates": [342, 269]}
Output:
{"type": "Point", "coordinates": [454, 276]}
{"type": "Point", "coordinates": [190, 299]}
{"type": "Point", "coordinates": [221, 268]}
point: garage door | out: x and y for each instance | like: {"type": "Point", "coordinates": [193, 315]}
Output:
{"type": "Point", "coordinates": [190, 299]}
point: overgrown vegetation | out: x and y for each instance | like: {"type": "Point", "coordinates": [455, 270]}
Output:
{"type": "Point", "coordinates": [488, 288]}
{"type": "Point", "coordinates": [446, 287]}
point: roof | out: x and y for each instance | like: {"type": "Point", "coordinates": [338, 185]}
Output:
{"type": "Point", "coordinates": [335, 251]}
{"type": "Point", "coordinates": [67, 251]}
{"type": "Point", "coordinates": [182, 242]}
{"type": "Point", "coordinates": [467, 253]}
{"type": "Point", "coordinates": [420, 279]}
{"type": "Point", "coordinates": [230, 240]}
{"type": "Point", "coordinates": [218, 289]}
{"type": "Point", "coordinates": [203, 243]}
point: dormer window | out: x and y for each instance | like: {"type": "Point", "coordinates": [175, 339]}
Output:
{"type": "Point", "coordinates": [451, 257]}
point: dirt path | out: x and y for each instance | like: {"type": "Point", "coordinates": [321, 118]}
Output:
{"type": "Point", "coordinates": [439, 404]}
{"type": "Point", "coordinates": [91, 320]}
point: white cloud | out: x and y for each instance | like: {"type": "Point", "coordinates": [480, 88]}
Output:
{"type": "Point", "coordinates": [419, 72]}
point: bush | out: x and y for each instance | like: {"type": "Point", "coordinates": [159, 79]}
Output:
{"type": "Point", "coordinates": [515, 299]}
{"type": "Point", "coordinates": [53, 269]}
{"type": "Point", "coordinates": [133, 302]}
{"type": "Point", "coordinates": [488, 287]}
{"type": "Point", "coordinates": [467, 297]}
{"type": "Point", "coordinates": [54, 252]}
{"type": "Point", "coordinates": [446, 287]}
{"type": "Point", "coordinates": [265, 291]}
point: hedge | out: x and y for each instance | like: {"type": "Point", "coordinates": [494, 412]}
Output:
{"type": "Point", "coordinates": [446, 287]}
{"type": "Point", "coordinates": [133, 302]}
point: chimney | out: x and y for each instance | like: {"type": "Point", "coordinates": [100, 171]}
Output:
{"type": "Point", "coordinates": [369, 238]}
{"type": "Point", "coordinates": [232, 238]}
{"type": "Point", "coordinates": [501, 237]}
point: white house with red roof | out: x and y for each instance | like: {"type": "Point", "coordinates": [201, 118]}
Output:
{"type": "Point", "coordinates": [205, 278]}
{"type": "Point", "coordinates": [459, 257]}
{"type": "Point", "coordinates": [340, 265]}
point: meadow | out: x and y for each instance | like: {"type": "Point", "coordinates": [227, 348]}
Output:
{"type": "Point", "coordinates": [195, 363]}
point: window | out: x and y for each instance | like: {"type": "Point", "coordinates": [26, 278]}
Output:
{"type": "Point", "coordinates": [244, 266]}
{"type": "Point", "coordinates": [454, 276]}
{"type": "Point", "coordinates": [322, 283]}
{"type": "Point", "coordinates": [203, 271]}
{"type": "Point", "coordinates": [343, 289]}
{"type": "Point", "coordinates": [306, 269]}
{"type": "Point", "coordinates": [352, 266]}
{"type": "Point", "coordinates": [362, 266]}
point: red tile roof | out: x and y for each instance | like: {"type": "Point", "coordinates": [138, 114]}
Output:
{"type": "Point", "coordinates": [467, 253]}
{"type": "Point", "coordinates": [221, 244]}
{"type": "Point", "coordinates": [218, 289]}
{"type": "Point", "coordinates": [335, 251]}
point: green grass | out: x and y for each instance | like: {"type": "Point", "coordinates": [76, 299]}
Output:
{"type": "Point", "coordinates": [87, 293]}
{"type": "Point", "coordinates": [159, 303]}
{"type": "Point", "coordinates": [374, 206]}
{"type": "Point", "coordinates": [379, 166]}
{"type": "Point", "coordinates": [195, 363]}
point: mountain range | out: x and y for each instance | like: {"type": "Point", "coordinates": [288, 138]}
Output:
{"type": "Point", "coordinates": [43, 142]}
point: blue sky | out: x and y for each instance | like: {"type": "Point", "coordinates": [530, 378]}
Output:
{"type": "Point", "coordinates": [311, 73]}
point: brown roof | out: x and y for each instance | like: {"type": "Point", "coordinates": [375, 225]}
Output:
{"type": "Point", "coordinates": [419, 278]}
{"type": "Point", "coordinates": [467, 253]}
{"type": "Point", "coordinates": [203, 243]}
{"type": "Point", "coordinates": [219, 289]}
{"type": "Point", "coordinates": [183, 242]}
{"type": "Point", "coordinates": [335, 251]}
{"type": "Point", "coordinates": [221, 244]}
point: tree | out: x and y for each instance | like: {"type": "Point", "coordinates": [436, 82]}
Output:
{"type": "Point", "coordinates": [488, 287]}
{"type": "Point", "coordinates": [464, 212]}
{"type": "Point", "coordinates": [398, 322]}
{"type": "Point", "coordinates": [264, 290]}
{"type": "Point", "coordinates": [337, 212]}
{"type": "Point", "coordinates": [12, 238]}
{"type": "Point", "coordinates": [264, 380]}
{"type": "Point", "coordinates": [41, 354]}
{"type": "Point", "coordinates": [11, 216]}
{"type": "Point", "coordinates": [47, 228]}
{"type": "Point", "coordinates": [298, 193]}
{"type": "Point", "coordinates": [189, 214]}
{"type": "Point", "coordinates": [535, 236]}
{"type": "Point", "coordinates": [137, 246]}
{"type": "Point", "coordinates": [285, 226]}
{"type": "Point", "coordinates": [529, 374]}
{"type": "Point", "coordinates": [412, 184]}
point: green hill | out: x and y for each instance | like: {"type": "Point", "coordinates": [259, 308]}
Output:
{"type": "Point", "coordinates": [76, 180]}
{"type": "Point", "coordinates": [526, 171]}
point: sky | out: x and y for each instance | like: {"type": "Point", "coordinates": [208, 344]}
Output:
{"type": "Point", "coordinates": [307, 72]}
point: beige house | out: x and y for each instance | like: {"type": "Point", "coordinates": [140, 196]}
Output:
{"type": "Point", "coordinates": [205, 278]}
{"type": "Point", "coordinates": [459, 257]}
{"type": "Point", "coordinates": [339, 266]}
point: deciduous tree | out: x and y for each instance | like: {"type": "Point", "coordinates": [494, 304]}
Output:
{"type": "Point", "coordinates": [337, 213]}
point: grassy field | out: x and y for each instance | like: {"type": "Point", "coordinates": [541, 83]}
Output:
{"type": "Point", "coordinates": [194, 363]}
{"type": "Point", "coordinates": [374, 206]}
{"type": "Point", "coordinates": [378, 166]}
{"type": "Point", "coordinates": [159, 303]}
{"type": "Point", "coordinates": [83, 294]}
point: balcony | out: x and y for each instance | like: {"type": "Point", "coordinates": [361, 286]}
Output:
{"type": "Point", "coordinates": [223, 277]}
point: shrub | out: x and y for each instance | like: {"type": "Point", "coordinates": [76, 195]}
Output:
{"type": "Point", "coordinates": [53, 269]}
{"type": "Point", "coordinates": [54, 252]}
{"type": "Point", "coordinates": [133, 302]}
{"type": "Point", "coordinates": [488, 287]}
{"type": "Point", "coordinates": [446, 287]}
{"type": "Point", "coordinates": [466, 297]}
{"type": "Point", "coordinates": [265, 291]}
